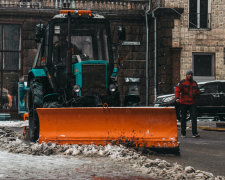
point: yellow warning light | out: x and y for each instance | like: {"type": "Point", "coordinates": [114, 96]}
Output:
{"type": "Point", "coordinates": [84, 12]}
{"type": "Point", "coordinates": [79, 12]}
{"type": "Point", "coordinates": [67, 11]}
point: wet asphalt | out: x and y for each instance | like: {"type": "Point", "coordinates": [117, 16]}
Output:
{"type": "Point", "coordinates": [206, 153]}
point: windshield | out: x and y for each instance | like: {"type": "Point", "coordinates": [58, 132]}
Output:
{"type": "Point", "coordinates": [88, 42]}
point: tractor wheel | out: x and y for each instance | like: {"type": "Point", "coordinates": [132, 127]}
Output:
{"type": "Point", "coordinates": [35, 101]}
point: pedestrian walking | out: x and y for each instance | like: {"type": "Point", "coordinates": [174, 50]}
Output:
{"type": "Point", "coordinates": [185, 94]}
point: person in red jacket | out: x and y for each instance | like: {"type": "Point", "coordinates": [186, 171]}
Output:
{"type": "Point", "coordinates": [185, 93]}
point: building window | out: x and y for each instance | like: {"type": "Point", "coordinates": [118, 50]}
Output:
{"type": "Point", "coordinates": [10, 47]}
{"type": "Point", "coordinates": [10, 53]}
{"type": "Point", "coordinates": [199, 16]}
{"type": "Point", "coordinates": [203, 66]}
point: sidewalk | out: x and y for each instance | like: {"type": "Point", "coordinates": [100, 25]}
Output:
{"type": "Point", "coordinates": [208, 125]}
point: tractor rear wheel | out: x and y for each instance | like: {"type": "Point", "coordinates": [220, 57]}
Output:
{"type": "Point", "coordinates": [35, 101]}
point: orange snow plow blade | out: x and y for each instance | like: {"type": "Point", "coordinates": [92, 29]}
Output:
{"type": "Point", "coordinates": [135, 126]}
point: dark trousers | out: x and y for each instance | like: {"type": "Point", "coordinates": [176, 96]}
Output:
{"type": "Point", "coordinates": [193, 116]}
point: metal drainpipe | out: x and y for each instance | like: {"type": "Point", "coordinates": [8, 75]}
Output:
{"type": "Point", "coordinates": [155, 54]}
{"type": "Point", "coordinates": [147, 55]}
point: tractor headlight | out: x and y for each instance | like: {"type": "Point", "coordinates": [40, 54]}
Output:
{"type": "Point", "coordinates": [112, 87]}
{"type": "Point", "coordinates": [76, 88]}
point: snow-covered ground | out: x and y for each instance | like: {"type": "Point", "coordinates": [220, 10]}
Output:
{"type": "Point", "coordinates": [32, 160]}
{"type": "Point", "coordinates": [13, 123]}
{"type": "Point", "coordinates": [23, 166]}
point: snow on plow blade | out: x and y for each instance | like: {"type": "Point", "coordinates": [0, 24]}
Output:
{"type": "Point", "coordinates": [135, 126]}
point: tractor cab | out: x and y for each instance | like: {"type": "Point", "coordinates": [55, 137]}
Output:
{"type": "Point", "coordinates": [88, 41]}
{"type": "Point", "coordinates": [76, 35]}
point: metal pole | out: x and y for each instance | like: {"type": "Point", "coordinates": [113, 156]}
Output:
{"type": "Point", "coordinates": [147, 62]}
{"type": "Point", "coordinates": [69, 54]}
{"type": "Point", "coordinates": [147, 56]}
{"type": "Point", "coordinates": [155, 55]}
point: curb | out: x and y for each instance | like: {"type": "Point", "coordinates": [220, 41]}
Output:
{"type": "Point", "coordinates": [207, 128]}
{"type": "Point", "coordinates": [211, 129]}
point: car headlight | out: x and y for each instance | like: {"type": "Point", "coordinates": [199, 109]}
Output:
{"type": "Point", "coordinates": [76, 88]}
{"type": "Point", "coordinates": [168, 99]}
{"type": "Point", "coordinates": [112, 87]}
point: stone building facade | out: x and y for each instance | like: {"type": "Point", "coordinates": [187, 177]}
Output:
{"type": "Point", "coordinates": [17, 51]}
{"type": "Point", "coordinates": [171, 37]}
{"type": "Point", "coordinates": [199, 35]}
{"type": "Point", "coordinates": [21, 18]}
{"type": "Point", "coordinates": [196, 41]}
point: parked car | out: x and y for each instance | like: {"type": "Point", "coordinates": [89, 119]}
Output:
{"type": "Point", "coordinates": [210, 102]}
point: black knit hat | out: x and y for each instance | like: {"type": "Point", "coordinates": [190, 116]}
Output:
{"type": "Point", "coordinates": [189, 72]}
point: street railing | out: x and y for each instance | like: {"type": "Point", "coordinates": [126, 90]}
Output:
{"type": "Point", "coordinates": [76, 4]}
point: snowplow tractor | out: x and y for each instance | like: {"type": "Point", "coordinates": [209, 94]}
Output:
{"type": "Point", "coordinates": [72, 89]}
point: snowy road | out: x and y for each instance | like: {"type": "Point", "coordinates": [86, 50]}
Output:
{"type": "Point", "coordinates": [22, 166]}
{"type": "Point", "coordinates": [20, 159]}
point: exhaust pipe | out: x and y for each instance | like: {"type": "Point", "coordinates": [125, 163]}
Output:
{"type": "Point", "coordinates": [69, 55]}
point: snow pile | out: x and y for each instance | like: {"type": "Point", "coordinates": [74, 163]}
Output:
{"type": "Point", "coordinates": [13, 142]}
{"type": "Point", "coordinates": [14, 123]}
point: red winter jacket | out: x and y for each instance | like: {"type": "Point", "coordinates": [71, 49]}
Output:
{"type": "Point", "coordinates": [186, 91]}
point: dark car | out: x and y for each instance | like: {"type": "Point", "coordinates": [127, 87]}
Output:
{"type": "Point", "coordinates": [210, 102]}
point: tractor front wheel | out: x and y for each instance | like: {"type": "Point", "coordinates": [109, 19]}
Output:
{"type": "Point", "coordinates": [35, 101]}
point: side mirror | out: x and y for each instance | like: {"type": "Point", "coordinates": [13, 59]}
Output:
{"type": "Point", "coordinates": [39, 32]}
{"type": "Point", "coordinates": [202, 90]}
{"type": "Point", "coordinates": [121, 33]}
